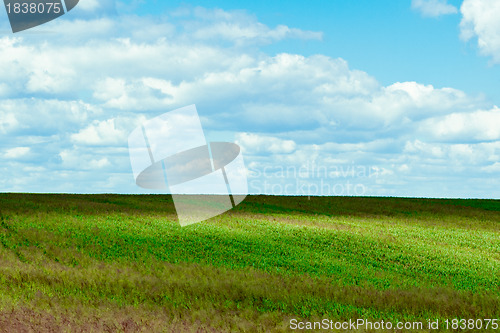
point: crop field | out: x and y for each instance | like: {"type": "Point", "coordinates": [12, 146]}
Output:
{"type": "Point", "coordinates": [122, 263]}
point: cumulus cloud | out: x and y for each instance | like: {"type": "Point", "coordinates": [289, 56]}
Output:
{"type": "Point", "coordinates": [81, 159]}
{"type": "Point", "coordinates": [461, 156]}
{"type": "Point", "coordinates": [480, 21]}
{"type": "Point", "coordinates": [39, 116]}
{"type": "Point", "coordinates": [433, 8]}
{"type": "Point", "coordinates": [254, 143]}
{"type": "Point", "coordinates": [100, 133]}
{"type": "Point", "coordinates": [89, 5]}
{"type": "Point", "coordinates": [481, 125]}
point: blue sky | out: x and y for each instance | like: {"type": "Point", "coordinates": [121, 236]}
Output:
{"type": "Point", "coordinates": [394, 98]}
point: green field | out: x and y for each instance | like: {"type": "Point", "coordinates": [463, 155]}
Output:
{"type": "Point", "coordinates": [123, 263]}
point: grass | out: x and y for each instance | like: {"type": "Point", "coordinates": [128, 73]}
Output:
{"type": "Point", "coordinates": [123, 263]}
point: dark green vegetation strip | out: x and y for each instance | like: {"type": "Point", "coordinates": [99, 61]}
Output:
{"type": "Point", "coordinates": [108, 262]}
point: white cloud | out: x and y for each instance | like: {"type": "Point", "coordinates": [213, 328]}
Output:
{"type": "Point", "coordinates": [493, 168]}
{"type": "Point", "coordinates": [156, 75]}
{"type": "Point", "coordinates": [480, 20]}
{"type": "Point", "coordinates": [88, 5]}
{"type": "Point", "coordinates": [457, 155]}
{"type": "Point", "coordinates": [100, 133]}
{"type": "Point", "coordinates": [433, 8]}
{"type": "Point", "coordinates": [479, 126]}
{"type": "Point", "coordinates": [408, 101]}
{"type": "Point", "coordinates": [254, 143]}
{"type": "Point", "coordinates": [426, 96]}
{"type": "Point", "coordinates": [100, 163]}
{"type": "Point", "coordinates": [17, 152]}
{"type": "Point", "coordinates": [137, 94]}
{"type": "Point", "coordinates": [74, 159]}
{"type": "Point", "coordinates": [43, 116]}
{"type": "Point", "coordinates": [418, 146]}
{"type": "Point", "coordinates": [8, 121]}
{"type": "Point", "coordinates": [241, 28]}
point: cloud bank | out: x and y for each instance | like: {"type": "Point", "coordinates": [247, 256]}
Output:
{"type": "Point", "coordinates": [69, 99]}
